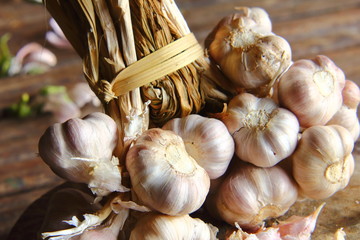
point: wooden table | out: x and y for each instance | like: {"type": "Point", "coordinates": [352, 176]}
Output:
{"type": "Point", "coordinates": [328, 27]}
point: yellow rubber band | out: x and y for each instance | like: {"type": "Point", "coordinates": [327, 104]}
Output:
{"type": "Point", "coordinates": [158, 64]}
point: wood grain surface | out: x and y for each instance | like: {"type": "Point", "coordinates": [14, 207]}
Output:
{"type": "Point", "coordinates": [312, 27]}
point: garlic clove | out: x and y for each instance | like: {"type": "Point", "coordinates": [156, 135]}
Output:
{"type": "Point", "coordinates": [311, 89]}
{"type": "Point", "coordinates": [264, 134]}
{"type": "Point", "coordinates": [81, 150]}
{"type": "Point", "coordinates": [207, 140]}
{"type": "Point", "coordinates": [297, 227]}
{"type": "Point", "coordinates": [322, 162]}
{"type": "Point", "coordinates": [32, 58]}
{"type": "Point", "coordinates": [157, 226]}
{"type": "Point", "coordinates": [249, 195]}
{"type": "Point", "coordinates": [163, 175]}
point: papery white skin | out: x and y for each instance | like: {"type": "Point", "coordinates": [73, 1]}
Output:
{"type": "Point", "coordinates": [248, 57]}
{"type": "Point", "coordinates": [157, 226]}
{"type": "Point", "coordinates": [351, 94]}
{"type": "Point", "coordinates": [312, 90]}
{"type": "Point", "coordinates": [264, 134]}
{"type": "Point", "coordinates": [108, 231]}
{"type": "Point", "coordinates": [105, 223]}
{"type": "Point", "coordinates": [340, 234]}
{"type": "Point", "coordinates": [249, 195]}
{"type": "Point", "coordinates": [80, 150]}
{"type": "Point", "coordinates": [163, 175]}
{"type": "Point", "coordinates": [207, 140]}
{"type": "Point", "coordinates": [322, 162]}
{"type": "Point", "coordinates": [263, 234]}
{"type": "Point", "coordinates": [63, 205]}
{"type": "Point", "coordinates": [347, 118]}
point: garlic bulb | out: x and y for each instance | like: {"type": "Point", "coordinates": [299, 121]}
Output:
{"type": "Point", "coordinates": [264, 133]}
{"type": "Point", "coordinates": [163, 175]}
{"type": "Point", "coordinates": [322, 162]}
{"type": "Point", "coordinates": [207, 140]}
{"type": "Point", "coordinates": [347, 118]}
{"type": "Point", "coordinates": [250, 59]}
{"type": "Point", "coordinates": [81, 150]}
{"type": "Point", "coordinates": [249, 195]}
{"type": "Point", "coordinates": [351, 94]}
{"type": "Point", "coordinates": [157, 226]}
{"type": "Point", "coordinates": [311, 89]}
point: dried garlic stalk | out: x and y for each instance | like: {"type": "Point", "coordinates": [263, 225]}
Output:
{"type": "Point", "coordinates": [101, 33]}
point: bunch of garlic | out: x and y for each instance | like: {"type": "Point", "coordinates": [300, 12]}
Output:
{"type": "Point", "coordinates": [248, 53]}
{"type": "Point", "coordinates": [309, 121]}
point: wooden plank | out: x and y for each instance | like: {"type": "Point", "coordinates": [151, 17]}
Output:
{"type": "Point", "coordinates": [11, 207]}
{"type": "Point", "coordinates": [66, 73]}
{"type": "Point", "coordinates": [348, 60]}
{"type": "Point", "coordinates": [202, 17]}
{"type": "Point", "coordinates": [25, 176]}
{"type": "Point", "coordinates": [334, 31]}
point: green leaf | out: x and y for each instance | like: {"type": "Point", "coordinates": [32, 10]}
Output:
{"type": "Point", "coordinates": [22, 109]}
{"type": "Point", "coordinates": [52, 89]}
{"type": "Point", "coordinates": [5, 55]}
